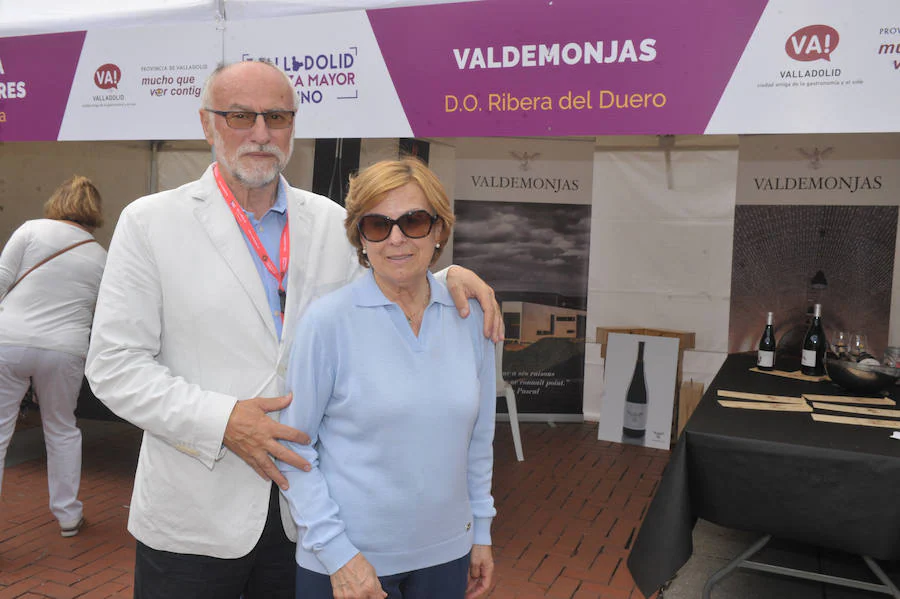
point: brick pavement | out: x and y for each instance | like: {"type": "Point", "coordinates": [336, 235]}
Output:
{"type": "Point", "coordinates": [566, 518]}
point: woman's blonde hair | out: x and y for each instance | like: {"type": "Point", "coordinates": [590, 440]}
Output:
{"type": "Point", "coordinates": [371, 185]}
{"type": "Point", "coordinates": [76, 200]}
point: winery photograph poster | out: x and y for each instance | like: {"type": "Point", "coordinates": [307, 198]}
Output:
{"type": "Point", "coordinates": [535, 256]}
{"type": "Point", "coordinates": [787, 259]}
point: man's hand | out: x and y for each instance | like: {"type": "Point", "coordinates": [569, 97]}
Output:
{"type": "Point", "coordinates": [464, 284]}
{"type": "Point", "coordinates": [356, 580]}
{"type": "Point", "coordinates": [481, 571]}
{"type": "Point", "coordinates": [253, 437]}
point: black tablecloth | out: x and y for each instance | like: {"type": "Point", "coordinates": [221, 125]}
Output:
{"type": "Point", "coordinates": [781, 473]}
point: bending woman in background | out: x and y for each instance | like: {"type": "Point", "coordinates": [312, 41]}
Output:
{"type": "Point", "coordinates": [45, 325]}
{"type": "Point", "coordinates": [398, 394]}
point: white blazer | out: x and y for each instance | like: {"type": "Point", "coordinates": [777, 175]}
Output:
{"type": "Point", "coordinates": [182, 331]}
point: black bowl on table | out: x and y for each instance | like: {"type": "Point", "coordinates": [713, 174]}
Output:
{"type": "Point", "coordinates": [861, 378]}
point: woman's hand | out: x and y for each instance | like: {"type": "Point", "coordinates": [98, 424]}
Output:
{"type": "Point", "coordinates": [464, 284]}
{"type": "Point", "coordinates": [481, 571]}
{"type": "Point", "coordinates": [357, 580]}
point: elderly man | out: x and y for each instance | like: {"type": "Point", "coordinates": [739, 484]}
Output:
{"type": "Point", "coordinates": [196, 311]}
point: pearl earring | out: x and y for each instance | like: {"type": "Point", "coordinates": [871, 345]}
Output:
{"type": "Point", "coordinates": [364, 251]}
{"type": "Point", "coordinates": [437, 246]}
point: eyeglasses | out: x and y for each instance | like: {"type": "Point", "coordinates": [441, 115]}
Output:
{"type": "Point", "coordinates": [245, 119]}
{"type": "Point", "coordinates": [415, 224]}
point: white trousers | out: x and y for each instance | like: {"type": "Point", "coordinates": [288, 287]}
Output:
{"type": "Point", "coordinates": [57, 381]}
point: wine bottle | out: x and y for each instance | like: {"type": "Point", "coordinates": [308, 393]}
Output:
{"type": "Point", "coordinates": [635, 424]}
{"type": "Point", "coordinates": [812, 362]}
{"type": "Point", "coordinates": [765, 357]}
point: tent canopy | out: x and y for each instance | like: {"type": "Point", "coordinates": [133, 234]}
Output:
{"type": "Point", "coordinates": [51, 16]}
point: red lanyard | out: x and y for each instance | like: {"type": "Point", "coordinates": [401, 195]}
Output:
{"type": "Point", "coordinates": [284, 249]}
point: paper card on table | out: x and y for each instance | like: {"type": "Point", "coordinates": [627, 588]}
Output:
{"type": "Point", "coordinates": [793, 374]}
{"type": "Point", "coordinates": [852, 420]}
{"type": "Point", "coordinates": [862, 401]}
{"type": "Point", "coordinates": [761, 397]}
{"type": "Point", "coordinates": [836, 407]}
{"type": "Point", "coordinates": [895, 435]}
{"type": "Point", "coordinates": [761, 405]}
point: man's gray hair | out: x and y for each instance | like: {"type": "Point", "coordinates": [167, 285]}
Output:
{"type": "Point", "coordinates": [205, 96]}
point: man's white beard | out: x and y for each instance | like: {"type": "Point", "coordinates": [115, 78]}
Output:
{"type": "Point", "coordinates": [256, 173]}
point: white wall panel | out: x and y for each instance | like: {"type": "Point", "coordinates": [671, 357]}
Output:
{"type": "Point", "coordinates": [644, 185]}
{"type": "Point", "coordinates": [659, 242]}
{"type": "Point", "coordinates": [660, 256]}
{"type": "Point", "coordinates": [661, 246]}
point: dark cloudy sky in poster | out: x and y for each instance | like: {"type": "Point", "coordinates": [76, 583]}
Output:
{"type": "Point", "coordinates": [525, 247]}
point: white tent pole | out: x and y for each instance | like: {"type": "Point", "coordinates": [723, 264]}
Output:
{"type": "Point", "coordinates": [221, 25]}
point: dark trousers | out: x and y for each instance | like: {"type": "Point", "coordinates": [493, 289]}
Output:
{"type": "Point", "coordinates": [444, 581]}
{"type": "Point", "coordinates": [267, 572]}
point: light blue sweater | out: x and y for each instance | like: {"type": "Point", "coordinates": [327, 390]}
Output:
{"type": "Point", "coordinates": [402, 430]}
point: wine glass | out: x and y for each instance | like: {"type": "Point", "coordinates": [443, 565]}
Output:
{"type": "Point", "coordinates": [859, 345]}
{"type": "Point", "coordinates": [841, 343]}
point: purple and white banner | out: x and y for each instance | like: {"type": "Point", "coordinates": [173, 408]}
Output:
{"type": "Point", "coordinates": [563, 68]}
{"type": "Point", "coordinates": [490, 68]}
{"type": "Point", "coordinates": [35, 78]}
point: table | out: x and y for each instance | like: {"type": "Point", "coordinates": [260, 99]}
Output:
{"type": "Point", "coordinates": [780, 474]}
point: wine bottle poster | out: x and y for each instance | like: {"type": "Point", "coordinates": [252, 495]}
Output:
{"type": "Point", "coordinates": [625, 408]}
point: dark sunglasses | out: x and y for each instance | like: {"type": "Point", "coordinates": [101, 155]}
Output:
{"type": "Point", "coordinates": [245, 119]}
{"type": "Point", "coordinates": [415, 224]}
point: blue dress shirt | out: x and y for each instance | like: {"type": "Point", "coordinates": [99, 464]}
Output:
{"type": "Point", "coordinates": [269, 228]}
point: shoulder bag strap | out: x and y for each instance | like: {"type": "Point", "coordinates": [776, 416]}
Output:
{"type": "Point", "coordinates": [48, 259]}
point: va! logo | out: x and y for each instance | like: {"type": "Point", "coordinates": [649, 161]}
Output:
{"type": "Point", "coordinates": [107, 76]}
{"type": "Point", "coordinates": [812, 42]}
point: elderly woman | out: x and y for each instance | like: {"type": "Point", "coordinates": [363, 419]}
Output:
{"type": "Point", "coordinates": [50, 271]}
{"type": "Point", "coordinates": [398, 394]}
